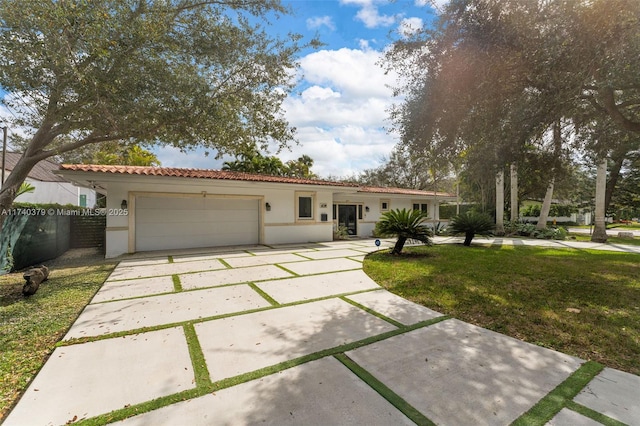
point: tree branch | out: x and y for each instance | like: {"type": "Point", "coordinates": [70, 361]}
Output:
{"type": "Point", "coordinates": [609, 105]}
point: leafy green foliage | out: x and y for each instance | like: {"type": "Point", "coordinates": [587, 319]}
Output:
{"type": "Point", "coordinates": [25, 188]}
{"type": "Point", "coordinates": [404, 224]}
{"type": "Point", "coordinates": [470, 224]}
{"type": "Point", "coordinates": [252, 161]}
{"type": "Point", "coordinates": [525, 229]}
{"type": "Point", "coordinates": [554, 210]}
{"type": "Point", "coordinates": [187, 74]}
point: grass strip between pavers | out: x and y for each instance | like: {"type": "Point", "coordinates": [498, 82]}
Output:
{"type": "Point", "coordinates": [224, 263]}
{"type": "Point", "coordinates": [594, 415]}
{"type": "Point", "coordinates": [200, 370]}
{"type": "Point", "coordinates": [177, 285]}
{"type": "Point", "coordinates": [204, 388]}
{"type": "Point", "coordinates": [170, 259]}
{"type": "Point", "coordinates": [547, 408]}
{"type": "Point", "coordinates": [372, 312]}
{"type": "Point", "coordinates": [264, 295]}
{"type": "Point", "coordinates": [79, 340]}
{"type": "Point", "coordinates": [394, 399]}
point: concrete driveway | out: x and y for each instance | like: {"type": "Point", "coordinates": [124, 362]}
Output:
{"type": "Point", "coordinates": [297, 335]}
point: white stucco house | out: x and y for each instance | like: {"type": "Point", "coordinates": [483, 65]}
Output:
{"type": "Point", "coordinates": [158, 208]}
{"type": "Point", "coordinates": [49, 187]}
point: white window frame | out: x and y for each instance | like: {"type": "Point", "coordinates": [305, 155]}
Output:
{"type": "Point", "coordinates": [311, 195]}
{"type": "Point", "coordinates": [382, 202]}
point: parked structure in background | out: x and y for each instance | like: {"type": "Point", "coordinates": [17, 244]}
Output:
{"type": "Point", "coordinates": [49, 187]}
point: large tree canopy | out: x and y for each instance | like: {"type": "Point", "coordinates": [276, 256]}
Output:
{"type": "Point", "coordinates": [493, 79]}
{"type": "Point", "coordinates": [183, 72]}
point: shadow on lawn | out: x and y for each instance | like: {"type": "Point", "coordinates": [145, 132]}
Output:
{"type": "Point", "coordinates": [581, 302]}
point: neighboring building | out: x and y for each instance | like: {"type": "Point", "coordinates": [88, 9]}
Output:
{"type": "Point", "coordinates": [49, 187]}
{"type": "Point", "coordinates": [156, 208]}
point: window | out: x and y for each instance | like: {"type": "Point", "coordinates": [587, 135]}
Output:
{"type": "Point", "coordinates": [420, 206]}
{"type": "Point", "coordinates": [360, 211]}
{"type": "Point", "coordinates": [304, 205]}
{"type": "Point", "coordinates": [335, 215]}
{"type": "Point", "coordinates": [384, 205]}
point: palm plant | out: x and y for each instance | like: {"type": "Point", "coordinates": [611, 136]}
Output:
{"type": "Point", "coordinates": [471, 224]}
{"type": "Point", "coordinates": [404, 224]}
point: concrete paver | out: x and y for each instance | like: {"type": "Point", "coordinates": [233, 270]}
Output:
{"type": "Point", "coordinates": [394, 307]}
{"type": "Point", "coordinates": [452, 372]}
{"type": "Point", "coordinates": [232, 276]}
{"type": "Point", "coordinates": [93, 378]}
{"type": "Point", "coordinates": [114, 290]}
{"type": "Point", "coordinates": [112, 317]}
{"type": "Point", "coordinates": [143, 262]}
{"type": "Point", "coordinates": [129, 272]}
{"type": "Point", "coordinates": [322, 266]}
{"type": "Point", "coordinates": [331, 254]}
{"type": "Point", "coordinates": [615, 394]}
{"type": "Point", "coordinates": [207, 256]}
{"type": "Point", "coordinates": [239, 262]}
{"type": "Point", "coordinates": [567, 417]}
{"type": "Point", "coordinates": [457, 373]}
{"type": "Point", "coordinates": [245, 343]}
{"type": "Point", "coordinates": [321, 392]}
{"type": "Point", "coordinates": [317, 286]}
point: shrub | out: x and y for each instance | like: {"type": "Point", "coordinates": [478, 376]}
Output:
{"type": "Point", "coordinates": [404, 224]}
{"type": "Point", "coordinates": [471, 224]}
{"type": "Point", "coordinates": [527, 229]}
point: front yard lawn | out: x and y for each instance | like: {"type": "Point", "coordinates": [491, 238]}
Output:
{"type": "Point", "coordinates": [635, 241]}
{"type": "Point", "coordinates": [31, 327]}
{"type": "Point", "coordinates": [584, 303]}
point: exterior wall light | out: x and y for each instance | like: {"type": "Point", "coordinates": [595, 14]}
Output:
{"type": "Point", "coordinates": [268, 206]}
{"type": "Point", "coordinates": [366, 209]}
{"type": "Point", "coordinates": [123, 205]}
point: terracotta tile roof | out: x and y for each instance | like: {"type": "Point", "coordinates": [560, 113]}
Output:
{"type": "Point", "coordinates": [42, 171]}
{"type": "Point", "coordinates": [196, 173]}
{"type": "Point", "coordinates": [402, 191]}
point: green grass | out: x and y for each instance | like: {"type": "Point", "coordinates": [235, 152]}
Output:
{"type": "Point", "coordinates": [524, 292]}
{"type": "Point", "coordinates": [635, 241]}
{"type": "Point", "coordinates": [30, 327]}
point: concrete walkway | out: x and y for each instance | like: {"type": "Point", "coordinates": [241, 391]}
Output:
{"type": "Point", "coordinates": [300, 335]}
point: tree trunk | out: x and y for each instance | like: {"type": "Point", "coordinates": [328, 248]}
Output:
{"type": "Point", "coordinates": [600, 228]}
{"type": "Point", "coordinates": [514, 192]}
{"type": "Point", "coordinates": [467, 238]}
{"type": "Point", "coordinates": [500, 203]}
{"type": "Point", "coordinates": [614, 175]}
{"type": "Point", "coordinates": [397, 249]}
{"type": "Point", "coordinates": [12, 183]}
{"type": "Point", "coordinates": [546, 206]}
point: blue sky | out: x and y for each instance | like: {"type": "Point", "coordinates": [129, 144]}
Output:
{"type": "Point", "coordinates": [340, 105]}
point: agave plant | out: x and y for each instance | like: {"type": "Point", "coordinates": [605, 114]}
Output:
{"type": "Point", "coordinates": [471, 224]}
{"type": "Point", "coordinates": [404, 224]}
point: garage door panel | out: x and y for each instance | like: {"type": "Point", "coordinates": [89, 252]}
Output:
{"type": "Point", "coordinates": [165, 223]}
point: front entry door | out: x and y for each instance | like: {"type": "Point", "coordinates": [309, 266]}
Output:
{"type": "Point", "coordinates": [347, 217]}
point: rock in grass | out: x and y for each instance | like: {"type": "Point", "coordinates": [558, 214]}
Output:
{"type": "Point", "coordinates": [33, 278]}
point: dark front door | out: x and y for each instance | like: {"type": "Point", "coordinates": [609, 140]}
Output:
{"type": "Point", "coordinates": [347, 217]}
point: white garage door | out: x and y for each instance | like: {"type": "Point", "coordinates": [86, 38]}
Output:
{"type": "Point", "coordinates": [168, 223]}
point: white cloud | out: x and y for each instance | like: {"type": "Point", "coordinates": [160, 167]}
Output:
{"type": "Point", "coordinates": [352, 72]}
{"type": "Point", "coordinates": [369, 13]}
{"type": "Point", "coordinates": [320, 21]}
{"type": "Point", "coordinates": [410, 26]}
{"type": "Point", "coordinates": [341, 115]}
{"type": "Point", "coordinates": [371, 17]}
